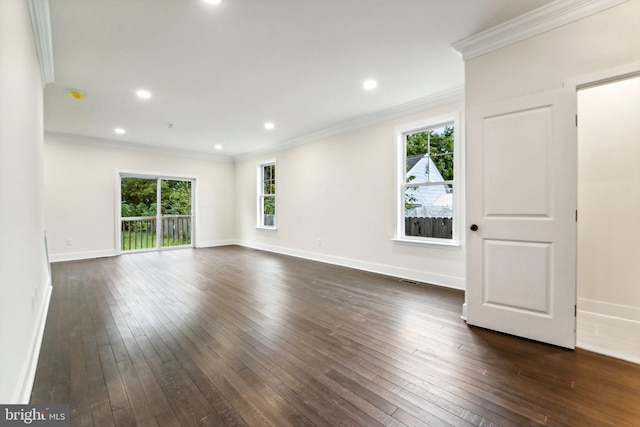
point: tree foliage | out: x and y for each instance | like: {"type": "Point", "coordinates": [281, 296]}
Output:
{"type": "Point", "coordinates": [139, 197]}
{"type": "Point", "coordinates": [176, 197]}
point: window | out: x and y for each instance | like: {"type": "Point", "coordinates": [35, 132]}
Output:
{"type": "Point", "coordinates": [426, 181]}
{"type": "Point", "coordinates": [267, 195]}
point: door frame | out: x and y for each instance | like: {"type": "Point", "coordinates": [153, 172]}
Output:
{"type": "Point", "coordinates": [156, 176]}
{"type": "Point", "coordinates": [576, 84]}
{"type": "Point", "coordinates": [572, 85]}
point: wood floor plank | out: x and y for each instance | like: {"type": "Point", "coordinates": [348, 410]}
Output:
{"type": "Point", "coordinates": [237, 337]}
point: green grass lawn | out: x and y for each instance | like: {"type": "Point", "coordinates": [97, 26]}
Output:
{"type": "Point", "coordinates": [137, 241]}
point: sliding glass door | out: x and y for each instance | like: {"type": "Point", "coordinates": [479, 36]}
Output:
{"type": "Point", "coordinates": [155, 213]}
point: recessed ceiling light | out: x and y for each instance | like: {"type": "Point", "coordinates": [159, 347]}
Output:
{"type": "Point", "coordinates": [143, 94]}
{"type": "Point", "coordinates": [269, 125]}
{"type": "Point", "coordinates": [218, 147]}
{"type": "Point", "coordinates": [212, 1]}
{"type": "Point", "coordinates": [370, 84]}
{"type": "Point", "coordinates": [120, 131]}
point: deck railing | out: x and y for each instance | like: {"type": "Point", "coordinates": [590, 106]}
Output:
{"type": "Point", "coordinates": [141, 232]}
{"type": "Point", "coordinates": [176, 230]}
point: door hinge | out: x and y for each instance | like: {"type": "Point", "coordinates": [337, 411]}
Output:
{"type": "Point", "coordinates": [576, 215]}
{"type": "Point", "coordinates": [575, 311]}
{"type": "Point", "coordinates": [576, 120]}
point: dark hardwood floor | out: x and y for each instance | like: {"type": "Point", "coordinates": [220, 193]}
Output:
{"type": "Point", "coordinates": [233, 336]}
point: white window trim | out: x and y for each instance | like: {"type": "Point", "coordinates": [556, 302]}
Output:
{"type": "Point", "coordinates": [401, 132]}
{"type": "Point", "coordinates": [259, 187]}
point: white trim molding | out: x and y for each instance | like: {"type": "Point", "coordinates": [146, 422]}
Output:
{"type": "Point", "coordinates": [41, 26]}
{"type": "Point", "coordinates": [451, 282]}
{"type": "Point", "coordinates": [437, 100]}
{"type": "Point", "coordinates": [609, 329]}
{"type": "Point", "coordinates": [214, 243]}
{"type": "Point", "coordinates": [26, 388]}
{"type": "Point", "coordinates": [76, 256]}
{"type": "Point", "coordinates": [538, 21]}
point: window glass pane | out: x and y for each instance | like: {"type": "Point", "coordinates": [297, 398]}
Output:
{"type": "Point", "coordinates": [139, 197]}
{"type": "Point", "coordinates": [269, 205]}
{"type": "Point", "coordinates": [269, 187]}
{"type": "Point", "coordinates": [269, 210]}
{"type": "Point", "coordinates": [429, 155]}
{"type": "Point", "coordinates": [442, 169]}
{"type": "Point", "coordinates": [441, 140]}
{"type": "Point", "coordinates": [428, 211]}
{"type": "Point", "coordinates": [175, 197]}
{"type": "Point", "coordinates": [417, 159]}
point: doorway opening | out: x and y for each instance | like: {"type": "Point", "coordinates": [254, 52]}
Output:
{"type": "Point", "coordinates": [155, 213]}
{"type": "Point", "coordinates": [608, 247]}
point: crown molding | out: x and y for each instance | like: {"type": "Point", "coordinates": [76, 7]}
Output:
{"type": "Point", "coordinates": [134, 146]}
{"type": "Point", "coordinates": [423, 104]}
{"type": "Point", "coordinates": [41, 26]}
{"type": "Point", "coordinates": [538, 21]}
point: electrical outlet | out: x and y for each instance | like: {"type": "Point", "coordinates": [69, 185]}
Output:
{"type": "Point", "coordinates": [319, 242]}
{"type": "Point", "coordinates": [69, 242]}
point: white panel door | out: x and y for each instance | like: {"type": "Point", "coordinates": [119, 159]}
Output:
{"type": "Point", "coordinates": [521, 202]}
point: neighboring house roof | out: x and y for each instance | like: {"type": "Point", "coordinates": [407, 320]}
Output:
{"type": "Point", "coordinates": [431, 200]}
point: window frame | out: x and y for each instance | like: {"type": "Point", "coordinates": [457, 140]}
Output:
{"type": "Point", "coordinates": [401, 176]}
{"type": "Point", "coordinates": [260, 218]}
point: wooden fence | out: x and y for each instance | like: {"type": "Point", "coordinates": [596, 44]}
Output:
{"type": "Point", "coordinates": [429, 227]}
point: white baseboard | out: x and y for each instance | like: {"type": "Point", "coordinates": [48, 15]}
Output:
{"type": "Point", "coordinates": [215, 243]}
{"type": "Point", "coordinates": [24, 393]}
{"type": "Point", "coordinates": [75, 256]}
{"type": "Point", "coordinates": [403, 273]}
{"type": "Point", "coordinates": [609, 329]}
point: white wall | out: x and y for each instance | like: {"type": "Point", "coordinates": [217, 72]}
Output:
{"type": "Point", "coordinates": [81, 203]}
{"type": "Point", "coordinates": [599, 42]}
{"type": "Point", "coordinates": [590, 46]}
{"type": "Point", "coordinates": [24, 276]}
{"type": "Point", "coordinates": [341, 190]}
{"type": "Point", "coordinates": [608, 226]}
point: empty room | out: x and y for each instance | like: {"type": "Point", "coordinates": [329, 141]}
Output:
{"type": "Point", "coordinates": [339, 213]}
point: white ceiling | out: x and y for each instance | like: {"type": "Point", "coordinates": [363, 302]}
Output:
{"type": "Point", "coordinates": [218, 73]}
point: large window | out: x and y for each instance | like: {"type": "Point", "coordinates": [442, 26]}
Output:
{"type": "Point", "coordinates": [426, 181]}
{"type": "Point", "coordinates": [267, 195]}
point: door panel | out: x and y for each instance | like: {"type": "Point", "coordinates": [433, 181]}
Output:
{"type": "Point", "coordinates": [521, 193]}
{"type": "Point", "coordinates": [516, 156]}
{"type": "Point", "coordinates": [526, 263]}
